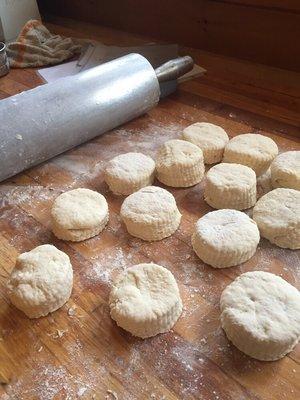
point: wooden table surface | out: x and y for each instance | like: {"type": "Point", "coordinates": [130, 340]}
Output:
{"type": "Point", "coordinates": [78, 351]}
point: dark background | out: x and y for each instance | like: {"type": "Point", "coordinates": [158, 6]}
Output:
{"type": "Point", "coordinates": [263, 31]}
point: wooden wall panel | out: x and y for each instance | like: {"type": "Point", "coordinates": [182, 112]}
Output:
{"type": "Point", "coordinates": [263, 31]}
{"type": "Point", "coordinates": [290, 5]}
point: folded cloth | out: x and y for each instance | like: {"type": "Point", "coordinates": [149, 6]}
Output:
{"type": "Point", "coordinates": [36, 47]}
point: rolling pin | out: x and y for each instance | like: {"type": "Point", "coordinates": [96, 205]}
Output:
{"type": "Point", "coordinates": [43, 122]}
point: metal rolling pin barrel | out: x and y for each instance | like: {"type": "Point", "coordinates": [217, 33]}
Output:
{"type": "Point", "coordinates": [43, 122]}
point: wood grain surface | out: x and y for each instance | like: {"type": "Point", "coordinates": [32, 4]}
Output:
{"type": "Point", "coordinates": [78, 352]}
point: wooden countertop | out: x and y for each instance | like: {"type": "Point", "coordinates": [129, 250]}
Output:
{"type": "Point", "coordinates": [78, 351]}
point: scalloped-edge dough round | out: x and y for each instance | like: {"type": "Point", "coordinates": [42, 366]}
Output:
{"type": "Point", "coordinates": [150, 213]}
{"type": "Point", "coordinates": [79, 214]}
{"type": "Point", "coordinates": [129, 172]}
{"type": "Point", "coordinates": [230, 186]}
{"type": "Point", "coordinates": [179, 164]}
{"type": "Point", "coordinates": [210, 138]}
{"type": "Point", "coordinates": [251, 149]}
{"type": "Point", "coordinates": [41, 281]}
{"type": "Point", "coordinates": [145, 300]}
{"type": "Point", "coordinates": [277, 215]}
{"type": "Point", "coordinates": [225, 238]}
{"type": "Point", "coordinates": [260, 314]}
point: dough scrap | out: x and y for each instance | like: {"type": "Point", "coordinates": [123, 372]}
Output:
{"type": "Point", "coordinates": [253, 150]}
{"type": "Point", "coordinates": [145, 300]}
{"type": "Point", "coordinates": [179, 164]}
{"type": "Point", "coordinates": [127, 173]}
{"type": "Point", "coordinates": [210, 138]}
{"type": "Point", "coordinates": [260, 314]}
{"type": "Point", "coordinates": [230, 186]}
{"type": "Point", "coordinates": [225, 238]}
{"type": "Point", "coordinates": [79, 214]}
{"type": "Point", "coordinates": [285, 170]}
{"type": "Point", "coordinates": [277, 215]}
{"type": "Point", "coordinates": [41, 281]}
{"type": "Point", "coordinates": [150, 213]}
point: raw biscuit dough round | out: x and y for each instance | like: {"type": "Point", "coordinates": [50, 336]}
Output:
{"type": "Point", "coordinates": [230, 186]}
{"type": "Point", "coordinates": [254, 150]}
{"type": "Point", "coordinates": [179, 164]}
{"type": "Point", "coordinates": [41, 281]}
{"type": "Point", "coordinates": [211, 139]}
{"type": "Point", "coordinates": [79, 214]}
{"type": "Point", "coordinates": [151, 213]}
{"type": "Point", "coordinates": [145, 300]}
{"type": "Point", "coordinates": [225, 238]}
{"type": "Point", "coordinates": [277, 215]}
{"type": "Point", "coordinates": [260, 314]}
{"type": "Point", "coordinates": [285, 170]}
{"type": "Point", "coordinates": [129, 172]}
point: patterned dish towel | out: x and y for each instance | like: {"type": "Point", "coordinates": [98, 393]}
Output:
{"type": "Point", "coordinates": [37, 47]}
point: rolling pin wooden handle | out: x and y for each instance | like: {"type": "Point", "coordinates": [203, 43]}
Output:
{"type": "Point", "coordinates": [173, 69]}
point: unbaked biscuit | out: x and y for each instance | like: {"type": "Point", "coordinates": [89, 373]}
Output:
{"type": "Point", "coordinates": [41, 281]}
{"type": "Point", "coordinates": [179, 164]}
{"type": "Point", "coordinates": [79, 214]}
{"type": "Point", "coordinates": [253, 150]}
{"type": "Point", "coordinates": [225, 238]}
{"type": "Point", "coordinates": [230, 186]}
{"type": "Point", "coordinates": [150, 213]}
{"type": "Point", "coordinates": [129, 172]}
{"type": "Point", "coordinates": [260, 314]}
{"type": "Point", "coordinates": [285, 170]}
{"type": "Point", "coordinates": [277, 215]}
{"type": "Point", "coordinates": [211, 139]}
{"type": "Point", "coordinates": [145, 300]}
